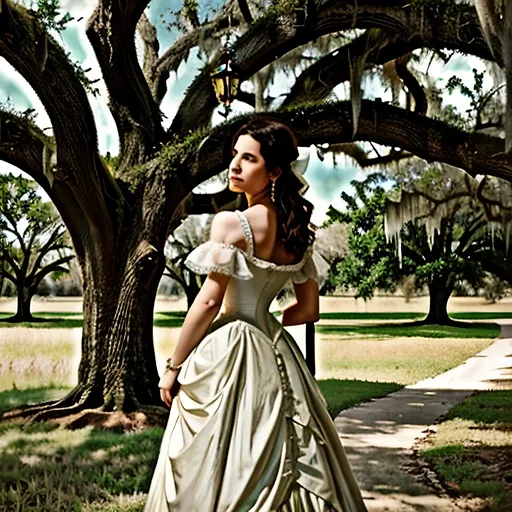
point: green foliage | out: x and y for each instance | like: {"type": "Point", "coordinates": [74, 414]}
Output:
{"type": "Point", "coordinates": [455, 82]}
{"type": "Point", "coordinates": [112, 162]}
{"type": "Point", "coordinates": [48, 11]}
{"type": "Point", "coordinates": [454, 251]}
{"type": "Point", "coordinates": [32, 236]}
{"type": "Point", "coordinates": [179, 148]}
{"type": "Point", "coordinates": [81, 74]}
{"type": "Point", "coordinates": [372, 263]}
{"type": "Point", "coordinates": [448, 14]}
{"type": "Point", "coordinates": [451, 264]}
{"type": "Point", "coordinates": [479, 100]}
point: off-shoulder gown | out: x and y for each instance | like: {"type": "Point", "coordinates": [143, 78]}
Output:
{"type": "Point", "coordinates": [249, 429]}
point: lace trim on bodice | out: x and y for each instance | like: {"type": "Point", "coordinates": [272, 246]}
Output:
{"type": "Point", "coordinates": [246, 228]}
{"type": "Point", "coordinates": [232, 260]}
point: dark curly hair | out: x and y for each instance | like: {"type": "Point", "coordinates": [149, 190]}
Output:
{"type": "Point", "coordinates": [278, 147]}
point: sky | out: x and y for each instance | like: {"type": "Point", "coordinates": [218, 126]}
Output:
{"type": "Point", "coordinates": [326, 180]}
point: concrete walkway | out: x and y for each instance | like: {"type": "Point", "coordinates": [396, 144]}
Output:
{"type": "Point", "coordinates": [379, 436]}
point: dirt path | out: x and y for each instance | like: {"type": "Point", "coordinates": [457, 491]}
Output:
{"type": "Point", "coordinates": [379, 436]}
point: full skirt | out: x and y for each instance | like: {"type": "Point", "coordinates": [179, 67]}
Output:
{"type": "Point", "coordinates": [249, 431]}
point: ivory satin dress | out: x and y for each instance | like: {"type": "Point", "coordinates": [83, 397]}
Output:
{"type": "Point", "coordinates": [249, 429]}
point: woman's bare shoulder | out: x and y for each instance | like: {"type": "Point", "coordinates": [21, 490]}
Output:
{"type": "Point", "coordinates": [226, 228]}
{"type": "Point", "coordinates": [260, 215]}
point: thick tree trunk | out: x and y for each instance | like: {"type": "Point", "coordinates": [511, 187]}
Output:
{"type": "Point", "coordinates": [440, 289]}
{"type": "Point", "coordinates": [117, 371]}
{"type": "Point", "coordinates": [23, 313]}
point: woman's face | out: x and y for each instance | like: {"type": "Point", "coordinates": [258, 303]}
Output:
{"type": "Point", "coordinates": [247, 171]}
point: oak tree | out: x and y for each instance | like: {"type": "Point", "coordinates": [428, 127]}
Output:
{"type": "Point", "coordinates": [119, 216]}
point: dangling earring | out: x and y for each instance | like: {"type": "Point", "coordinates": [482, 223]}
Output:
{"type": "Point", "coordinates": [272, 191]}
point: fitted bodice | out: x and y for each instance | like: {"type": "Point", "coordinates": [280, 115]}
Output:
{"type": "Point", "coordinates": [252, 298]}
{"type": "Point", "coordinates": [254, 282]}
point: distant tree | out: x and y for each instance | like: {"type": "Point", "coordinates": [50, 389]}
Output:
{"type": "Point", "coordinates": [193, 231]}
{"type": "Point", "coordinates": [32, 237]}
{"type": "Point", "coordinates": [439, 228]}
{"type": "Point", "coordinates": [331, 242]}
{"type": "Point", "coordinates": [371, 263]}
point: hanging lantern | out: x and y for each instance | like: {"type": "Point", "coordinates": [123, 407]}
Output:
{"type": "Point", "coordinates": [225, 79]}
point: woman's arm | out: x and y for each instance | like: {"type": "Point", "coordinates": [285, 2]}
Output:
{"type": "Point", "coordinates": [204, 308]}
{"type": "Point", "coordinates": [307, 306]}
{"type": "Point", "coordinates": [200, 316]}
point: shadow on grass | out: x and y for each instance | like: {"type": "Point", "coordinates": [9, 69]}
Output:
{"type": "Point", "coordinates": [66, 320]}
{"type": "Point", "coordinates": [45, 323]}
{"type": "Point", "coordinates": [472, 449]}
{"type": "Point", "coordinates": [410, 329]}
{"type": "Point", "coordinates": [57, 469]}
{"type": "Point", "coordinates": [12, 398]}
{"type": "Point", "coordinates": [409, 315]}
{"type": "Point", "coordinates": [63, 470]}
{"type": "Point", "coordinates": [343, 394]}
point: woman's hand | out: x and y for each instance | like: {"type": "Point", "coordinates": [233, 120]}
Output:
{"type": "Point", "coordinates": [167, 384]}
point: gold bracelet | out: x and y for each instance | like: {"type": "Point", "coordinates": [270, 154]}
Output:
{"type": "Point", "coordinates": [169, 366]}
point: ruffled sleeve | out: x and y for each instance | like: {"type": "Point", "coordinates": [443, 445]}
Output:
{"type": "Point", "coordinates": [219, 257]}
{"type": "Point", "coordinates": [315, 267]}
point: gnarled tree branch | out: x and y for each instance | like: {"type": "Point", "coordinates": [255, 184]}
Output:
{"type": "Point", "coordinates": [276, 34]}
{"type": "Point", "coordinates": [317, 81]}
{"type": "Point", "coordinates": [111, 31]}
{"type": "Point", "coordinates": [379, 123]}
{"type": "Point", "coordinates": [65, 101]}
{"type": "Point", "coordinates": [180, 49]}
{"type": "Point", "coordinates": [24, 145]}
{"type": "Point", "coordinates": [361, 157]}
{"type": "Point", "coordinates": [412, 84]}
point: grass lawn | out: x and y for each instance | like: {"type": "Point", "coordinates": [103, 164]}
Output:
{"type": "Point", "coordinates": [410, 315]}
{"type": "Point", "coordinates": [404, 330]}
{"type": "Point", "coordinates": [403, 360]}
{"type": "Point", "coordinates": [86, 470]}
{"type": "Point", "coordinates": [472, 448]}
{"type": "Point", "coordinates": [343, 394]}
{"type": "Point", "coordinates": [96, 470]}
{"type": "Point", "coordinates": [64, 320]}
{"type": "Point", "coordinates": [28, 359]}
{"type": "Point", "coordinates": [58, 320]}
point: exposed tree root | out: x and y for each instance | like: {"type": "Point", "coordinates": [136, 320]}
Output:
{"type": "Point", "coordinates": [119, 421]}
{"type": "Point", "coordinates": [55, 413]}
{"type": "Point", "coordinates": [74, 411]}
{"type": "Point", "coordinates": [29, 411]}
{"type": "Point", "coordinates": [447, 323]}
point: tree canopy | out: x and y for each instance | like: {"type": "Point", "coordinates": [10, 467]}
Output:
{"type": "Point", "coordinates": [119, 212]}
{"type": "Point", "coordinates": [32, 240]}
{"type": "Point", "coordinates": [436, 223]}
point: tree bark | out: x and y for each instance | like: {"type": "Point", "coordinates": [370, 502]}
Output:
{"type": "Point", "coordinates": [117, 370]}
{"type": "Point", "coordinates": [23, 312]}
{"type": "Point", "coordinates": [440, 290]}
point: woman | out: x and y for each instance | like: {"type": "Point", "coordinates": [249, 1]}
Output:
{"type": "Point", "coordinates": [248, 429]}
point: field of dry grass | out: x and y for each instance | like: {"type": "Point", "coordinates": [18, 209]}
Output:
{"type": "Point", "coordinates": [36, 357]}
